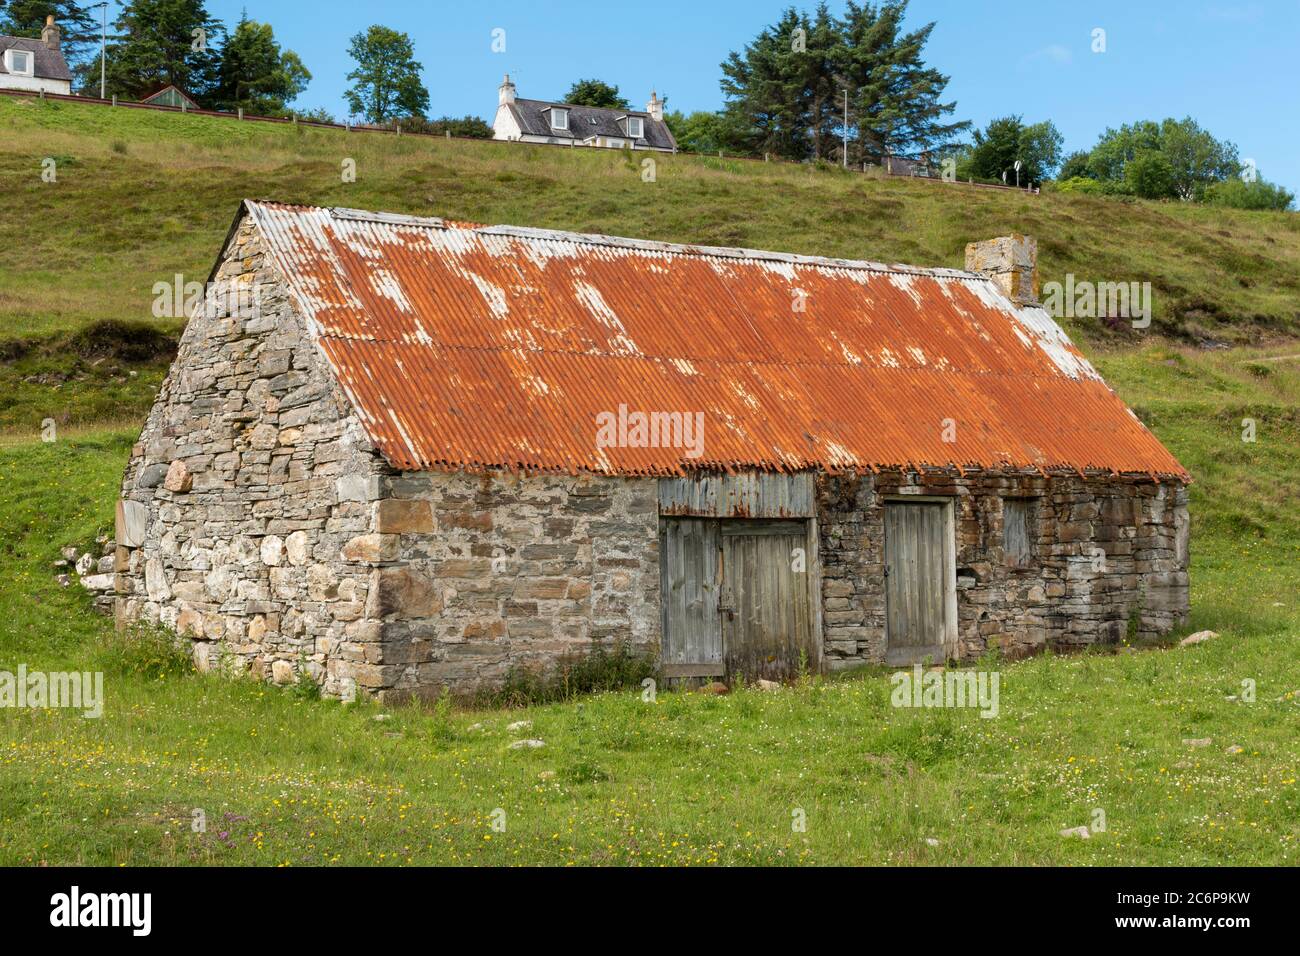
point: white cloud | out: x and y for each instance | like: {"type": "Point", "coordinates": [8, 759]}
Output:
{"type": "Point", "coordinates": [1053, 53]}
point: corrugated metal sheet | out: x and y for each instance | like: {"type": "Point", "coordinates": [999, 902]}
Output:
{"type": "Point", "coordinates": [501, 347]}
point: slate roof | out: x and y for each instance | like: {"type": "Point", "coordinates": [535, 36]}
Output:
{"type": "Point", "coordinates": [48, 65]}
{"type": "Point", "coordinates": [588, 121]}
{"type": "Point", "coordinates": [483, 347]}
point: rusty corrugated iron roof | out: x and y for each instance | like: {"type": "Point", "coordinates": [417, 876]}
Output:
{"type": "Point", "coordinates": [503, 347]}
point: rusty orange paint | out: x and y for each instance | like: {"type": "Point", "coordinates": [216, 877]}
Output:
{"type": "Point", "coordinates": [473, 347]}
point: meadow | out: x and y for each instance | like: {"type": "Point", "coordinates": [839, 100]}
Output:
{"type": "Point", "coordinates": [825, 771]}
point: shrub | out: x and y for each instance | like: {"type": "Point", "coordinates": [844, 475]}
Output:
{"type": "Point", "coordinates": [599, 669]}
{"type": "Point", "coordinates": [470, 126]}
{"type": "Point", "coordinates": [1260, 194]}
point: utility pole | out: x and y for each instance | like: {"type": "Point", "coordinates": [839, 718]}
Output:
{"type": "Point", "coordinates": [846, 128]}
{"type": "Point", "coordinates": [103, 42]}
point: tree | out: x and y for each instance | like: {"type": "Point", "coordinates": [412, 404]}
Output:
{"type": "Point", "coordinates": [79, 27]}
{"type": "Point", "coordinates": [766, 89]}
{"type": "Point", "coordinates": [386, 82]}
{"type": "Point", "coordinates": [1075, 166]}
{"type": "Point", "coordinates": [596, 93]}
{"type": "Point", "coordinates": [1007, 139]}
{"type": "Point", "coordinates": [786, 89]}
{"type": "Point", "coordinates": [162, 42]}
{"type": "Point", "coordinates": [899, 99]}
{"type": "Point", "coordinates": [1149, 175]}
{"type": "Point", "coordinates": [704, 132]}
{"type": "Point", "coordinates": [1196, 159]}
{"type": "Point", "coordinates": [256, 74]}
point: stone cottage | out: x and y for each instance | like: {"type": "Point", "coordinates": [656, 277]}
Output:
{"type": "Point", "coordinates": [409, 454]}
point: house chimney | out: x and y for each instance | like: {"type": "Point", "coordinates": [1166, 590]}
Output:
{"type": "Point", "coordinates": [655, 107]}
{"type": "Point", "coordinates": [506, 92]}
{"type": "Point", "coordinates": [50, 34]}
{"type": "Point", "coordinates": [1011, 262]}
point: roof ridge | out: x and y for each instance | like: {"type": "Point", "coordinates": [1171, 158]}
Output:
{"type": "Point", "coordinates": [627, 242]}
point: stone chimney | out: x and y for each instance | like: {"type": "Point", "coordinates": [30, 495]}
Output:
{"type": "Point", "coordinates": [50, 33]}
{"type": "Point", "coordinates": [655, 107]}
{"type": "Point", "coordinates": [1011, 262]}
{"type": "Point", "coordinates": [506, 92]}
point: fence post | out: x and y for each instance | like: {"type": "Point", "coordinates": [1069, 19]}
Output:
{"type": "Point", "coordinates": [241, 112]}
{"type": "Point", "coordinates": [185, 106]}
{"type": "Point", "coordinates": [449, 134]}
{"type": "Point", "coordinates": [114, 99]}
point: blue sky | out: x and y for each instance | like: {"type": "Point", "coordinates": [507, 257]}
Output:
{"type": "Point", "coordinates": [1234, 65]}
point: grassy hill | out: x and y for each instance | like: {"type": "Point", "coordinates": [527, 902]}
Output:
{"type": "Point", "coordinates": [142, 196]}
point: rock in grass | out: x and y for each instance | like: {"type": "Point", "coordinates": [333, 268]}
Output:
{"type": "Point", "coordinates": [1234, 749]}
{"type": "Point", "coordinates": [1080, 832]}
{"type": "Point", "coordinates": [519, 725]}
{"type": "Point", "coordinates": [546, 775]}
{"type": "Point", "coordinates": [1200, 637]}
{"type": "Point", "coordinates": [931, 841]}
{"type": "Point", "coordinates": [530, 743]}
{"type": "Point", "coordinates": [767, 684]}
{"type": "Point", "coordinates": [1198, 741]}
{"type": "Point", "coordinates": [717, 687]}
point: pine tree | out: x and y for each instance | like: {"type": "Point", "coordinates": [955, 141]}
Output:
{"type": "Point", "coordinates": [786, 89]}
{"type": "Point", "coordinates": [161, 42]}
{"type": "Point", "coordinates": [255, 74]}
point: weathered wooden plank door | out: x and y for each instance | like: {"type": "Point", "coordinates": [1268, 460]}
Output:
{"type": "Point", "coordinates": [689, 583]}
{"type": "Point", "coordinates": [916, 589]}
{"type": "Point", "coordinates": [766, 613]}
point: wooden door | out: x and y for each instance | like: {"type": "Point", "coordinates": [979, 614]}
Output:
{"type": "Point", "coordinates": [689, 582]}
{"type": "Point", "coordinates": [916, 586]}
{"type": "Point", "coordinates": [765, 608]}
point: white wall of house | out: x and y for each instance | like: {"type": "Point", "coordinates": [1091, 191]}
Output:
{"type": "Point", "coordinates": [8, 81]}
{"type": "Point", "coordinates": [504, 126]}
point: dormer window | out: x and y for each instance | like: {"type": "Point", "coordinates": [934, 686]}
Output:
{"type": "Point", "coordinates": [559, 118]}
{"type": "Point", "coordinates": [18, 62]}
{"type": "Point", "coordinates": [634, 127]}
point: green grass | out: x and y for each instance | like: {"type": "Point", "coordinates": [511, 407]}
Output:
{"type": "Point", "coordinates": [143, 196]}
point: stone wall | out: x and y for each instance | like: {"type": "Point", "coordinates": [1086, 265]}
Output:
{"type": "Point", "coordinates": [1103, 549]}
{"type": "Point", "coordinates": [250, 477]}
{"type": "Point", "coordinates": [479, 573]}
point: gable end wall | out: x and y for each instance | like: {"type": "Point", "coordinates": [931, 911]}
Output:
{"type": "Point", "coordinates": [245, 546]}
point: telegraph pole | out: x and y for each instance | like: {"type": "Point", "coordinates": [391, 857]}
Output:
{"type": "Point", "coordinates": [846, 128]}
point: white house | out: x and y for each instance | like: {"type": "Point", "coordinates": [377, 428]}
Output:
{"type": "Point", "coordinates": [540, 121]}
{"type": "Point", "coordinates": [35, 65]}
